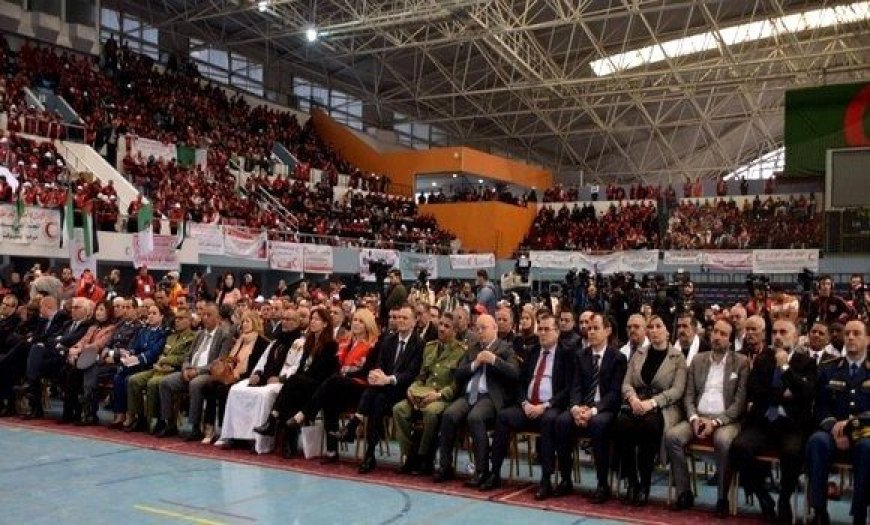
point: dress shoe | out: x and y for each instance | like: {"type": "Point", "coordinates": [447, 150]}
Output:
{"type": "Point", "coordinates": [169, 431]}
{"type": "Point", "coordinates": [136, 425]}
{"type": "Point", "coordinates": [409, 465]}
{"type": "Point", "coordinates": [768, 510]}
{"type": "Point", "coordinates": [368, 464]}
{"type": "Point", "coordinates": [195, 435]}
{"type": "Point", "coordinates": [348, 433]}
{"type": "Point", "coordinates": [629, 496]}
{"type": "Point", "coordinates": [820, 517]}
{"type": "Point", "coordinates": [684, 501]}
{"type": "Point", "coordinates": [269, 428]}
{"type": "Point", "coordinates": [424, 468]}
{"type": "Point", "coordinates": [723, 509]}
{"type": "Point", "coordinates": [641, 497]}
{"type": "Point", "coordinates": [545, 490]}
{"type": "Point", "coordinates": [476, 480]}
{"type": "Point", "coordinates": [601, 495]}
{"type": "Point", "coordinates": [158, 427]}
{"type": "Point", "coordinates": [564, 487]}
{"type": "Point", "coordinates": [443, 474]}
{"type": "Point", "coordinates": [783, 510]}
{"type": "Point", "coordinates": [492, 482]}
{"type": "Point", "coordinates": [329, 458]}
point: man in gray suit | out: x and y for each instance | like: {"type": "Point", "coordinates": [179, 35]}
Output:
{"type": "Point", "coordinates": [486, 378]}
{"type": "Point", "coordinates": [715, 399]}
{"type": "Point", "coordinates": [211, 343]}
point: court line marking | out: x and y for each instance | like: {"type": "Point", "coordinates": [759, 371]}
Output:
{"type": "Point", "coordinates": [207, 510]}
{"type": "Point", "coordinates": [177, 515]}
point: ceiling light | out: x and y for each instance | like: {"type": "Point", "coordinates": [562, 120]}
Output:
{"type": "Point", "coordinates": [311, 35]}
{"type": "Point", "coordinates": [455, 175]}
{"type": "Point", "coordinates": [262, 5]}
{"type": "Point", "coordinates": [733, 35]}
{"type": "Point", "coordinates": [435, 184]}
{"type": "Point", "coordinates": [480, 181]}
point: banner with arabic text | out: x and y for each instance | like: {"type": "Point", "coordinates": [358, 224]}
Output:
{"type": "Point", "coordinates": [640, 261]}
{"type": "Point", "coordinates": [244, 242]}
{"type": "Point", "coordinates": [318, 258]}
{"type": "Point", "coordinates": [412, 263]}
{"type": "Point", "coordinates": [163, 256]}
{"type": "Point", "coordinates": [784, 261]}
{"type": "Point", "coordinates": [286, 256]}
{"type": "Point", "coordinates": [36, 226]}
{"type": "Point", "coordinates": [472, 261]}
{"type": "Point", "coordinates": [210, 237]}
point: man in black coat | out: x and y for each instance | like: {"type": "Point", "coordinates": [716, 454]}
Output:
{"type": "Point", "coordinates": [486, 379]}
{"type": "Point", "coordinates": [9, 322]}
{"type": "Point", "coordinates": [400, 356]}
{"type": "Point", "coordinates": [596, 396]}
{"type": "Point", "coordinates": [545, 386]}
{"type": "Point", "coordinates": [780, 394]}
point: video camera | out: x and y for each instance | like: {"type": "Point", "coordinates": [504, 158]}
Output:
{"type": "Point", "coordinates": [379, 269]}
{"type": "Point", "coordinates": [807, 280]}
{"type": "Point", "coordinates": [757, 283]}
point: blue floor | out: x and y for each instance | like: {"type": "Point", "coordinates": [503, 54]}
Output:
{"type": "Point", "coordinates": [58, 479]}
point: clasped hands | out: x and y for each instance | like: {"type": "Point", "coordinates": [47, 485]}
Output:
{"type": "Point", "coordinates": [485, 357]}
{"type": "Point", "coordinates": [377, 377]}
{"type": "Point", "coordinates": [581, 415]}
{"type": "Point", "coordinates": [639, 407]}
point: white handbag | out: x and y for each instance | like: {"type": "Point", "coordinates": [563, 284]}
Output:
{"type": "Point", "coordinates": [311, 441]}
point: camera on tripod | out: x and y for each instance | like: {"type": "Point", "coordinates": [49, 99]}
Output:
{"type": "Point", "coordinates": [380, 269]}
{"type": "Point", "coordinates": [757, 283]}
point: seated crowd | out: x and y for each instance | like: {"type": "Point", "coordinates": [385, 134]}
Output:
{"type": "Point", "coordinates": [628, 226]}
{"type": "Point", "coordinates": [481, 194]}
{"type": "Point", "coordinates": [254, 369]}
{"type": "Point", "coordinates": [723, 224]}
{"type": "Point", "coordinates": [640, 191]}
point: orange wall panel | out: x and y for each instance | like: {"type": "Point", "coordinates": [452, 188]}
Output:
{"type": "Point", "coordinates": [403, 166]}
{"type": "Point", "coordinates": [484, 226]}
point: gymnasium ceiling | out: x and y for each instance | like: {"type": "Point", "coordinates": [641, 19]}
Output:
{"type": "Point", "coordinates": [517, 76]}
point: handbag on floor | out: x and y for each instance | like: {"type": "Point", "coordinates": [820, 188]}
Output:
{"type": "Point", "coordinates": [311, 441]}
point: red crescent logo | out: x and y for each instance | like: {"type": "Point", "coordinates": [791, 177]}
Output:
{"type": "Point", "coordinates": [853, 119]}
{"type": "Point", "coordinates": [50, 230]}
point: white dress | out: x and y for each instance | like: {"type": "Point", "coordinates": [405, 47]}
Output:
{"type": "Point", "coordinates": [249, 406]}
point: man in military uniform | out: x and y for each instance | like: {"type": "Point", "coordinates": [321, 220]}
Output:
{"type": "Point", "coordinates": [428, 396]}
{"type": "Point", "coordinates": [843, 412]}
{"type": "Point", "coordinates": [176, 347]}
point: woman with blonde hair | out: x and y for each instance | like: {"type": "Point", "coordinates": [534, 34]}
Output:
{"type": "Point", "coordinates": [245, 353]}
{"type": "Point", "coordinates": [345, 388]}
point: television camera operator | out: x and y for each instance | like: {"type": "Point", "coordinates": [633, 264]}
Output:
{"type": "Point", "coordinates": [859, 296]}
{"type": "Point", "coordinates": [825, 306]}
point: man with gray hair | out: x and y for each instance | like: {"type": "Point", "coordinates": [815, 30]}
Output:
{"type": "Point", "coordinates": [46, 359]}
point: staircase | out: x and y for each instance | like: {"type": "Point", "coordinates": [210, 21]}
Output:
{"type": "Point", "coordinates": [82, 157]}
{"type": "Point", "coordinates": [268, 201]}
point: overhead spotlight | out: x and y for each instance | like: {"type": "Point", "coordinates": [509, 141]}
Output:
{"type": "Point", "coordinates": [480, 181]}
{"type": "Point", "coordinates": [434, 184]}
{"type": "Point", "coordinates": [263, 5]}
{"type": "Point", "coordinates": [455, 175]}
{"type": "Point", "coordinates": [311, 35]}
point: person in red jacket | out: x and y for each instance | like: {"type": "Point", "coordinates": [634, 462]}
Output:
{"type": "Point", "coordinates": [144, 284]}
{"type": "Point", "coordinates": [89, 288]}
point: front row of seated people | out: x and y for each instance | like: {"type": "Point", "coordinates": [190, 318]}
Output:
{"type": "Point", "coordinates": [779, 401]}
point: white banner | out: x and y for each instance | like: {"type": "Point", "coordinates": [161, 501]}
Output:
{"type": "Point", "coordinates": [640, 261]}
{"type": "Point", "coordinates": [784, 261]}
{"type": "Point", "coordinates": [683, 258]}
{"type": "Point", "coordinates": [244, 242]}
{"type": "Point", "coordinates": [286, 256]}
{"type": "Point", "coordinates": [412, 263]}
{"type": "Point", "coordinates": [78, 258]}
{"type": "Point", "coordinates": [728, 260]}
{"type": "Point", "coordinates": [37, 226]}
{"type": "Point", "coordinates": [366, 256]}
{"type": "Point", "coordinates": [151, 148]}
{"type": "Point", "coordinates": [209, 236]}
{"type": "Point", "coordinates": [318, 259]}
{"type": "Point", "coordinates": [164, 256]}
{"type": "Point", "coordinates": [472, 261]}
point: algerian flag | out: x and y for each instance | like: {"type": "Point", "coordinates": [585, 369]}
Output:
{"type": "Point", "coordinates": [68, 220]}
{"type": "Point", "coordinates": [146, 233]}
{"type": "Point", "coordinates": [91, 241]}
{"type": "Point", "coordinates": [19, 209]}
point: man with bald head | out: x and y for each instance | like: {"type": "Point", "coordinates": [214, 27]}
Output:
{"type": "Point", "coordinates": [485, 380]}
{"type": "Point", "coordinates": [781, 391]}
{"type": "Point", "coordinates": [842, 408]}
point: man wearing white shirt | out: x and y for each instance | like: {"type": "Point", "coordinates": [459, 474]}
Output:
{"type": "Point", "coordinates": [688, 340]}
{"type": "Point", "coordinates": [819, 345]}
{"type": "Point", "coordinates": [637, 339]}
{"type": "Point", "coordinates": [715, 399]}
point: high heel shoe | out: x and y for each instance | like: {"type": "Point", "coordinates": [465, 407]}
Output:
{"type": "Point", "coordinates": [269, 428]}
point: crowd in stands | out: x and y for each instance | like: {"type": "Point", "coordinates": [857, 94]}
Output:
{"type": "Point", "coordinates": [644, 381]}
{"type": "Point", "coordinates": [722, 224]}
{"type": "Point", "coordinates": [623, 227]}
{"type": "Point", "coordinates": [639, 191]}
{"type": "Point", "coordinates": [481, 194]}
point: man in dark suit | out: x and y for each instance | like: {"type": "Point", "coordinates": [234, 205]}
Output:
{"type": "Point", "coordinates": [780, 393]}
{"type": "Point", "coordinates": [400, 357]}
{"type": "Point", "coordinates": [9, 322]}
{"type": "Point", "coordinates": [212, 342]}
{"type": "Point", "coordinates": [545, 385]}
{"type": "Point", "coordinates": [843, 415]}
{"type": "Point", "coordinates": [599, 370]}
{"type": "Point", "coordinates": [486, 378]}
{"type": "Point", "coordinates": [568, 336]}
{"type": "Point", "coordinates": [47, 356]}
{"type": "Point", "coordinates": [427, 322]}
{"type": "Point", "coordinates": [819, 345]}
{"type": "Point", "coordinates": [688, 341]}
{"type": "Point", "coordinates": [715, 400]}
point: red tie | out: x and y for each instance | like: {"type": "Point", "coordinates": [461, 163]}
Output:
{"type": "Point", "coordinates": [539, 375]}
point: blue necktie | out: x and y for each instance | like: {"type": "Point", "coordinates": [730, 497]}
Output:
{"type": "Point", "coordinates": [773, 410]}
{"type": "Point", "coordinates": [853, 370]}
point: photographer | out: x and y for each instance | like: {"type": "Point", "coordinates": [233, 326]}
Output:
{"type": "Point", "coordinates": [396, 294]}
{"type": "Point", "coordinates": [859, 295]}
{"type": "Point", "coordinates": [687, 304]}
{"type": "Point", "coordinates": [826, 306]}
